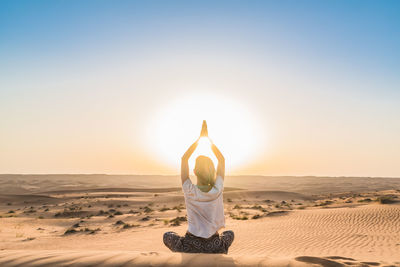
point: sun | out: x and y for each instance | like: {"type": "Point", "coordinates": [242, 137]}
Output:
{"type": "Point", "coordinates": [231, 126]}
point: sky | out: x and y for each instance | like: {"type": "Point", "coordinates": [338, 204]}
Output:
{"type": "Point", "coordinates": [121, 87]}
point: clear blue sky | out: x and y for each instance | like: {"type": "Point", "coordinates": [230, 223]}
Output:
{"type": "Point", "coordinates": [77, 77]}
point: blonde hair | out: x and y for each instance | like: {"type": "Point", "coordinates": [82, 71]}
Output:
{"type": "Point", "coordinates": [205, 170]}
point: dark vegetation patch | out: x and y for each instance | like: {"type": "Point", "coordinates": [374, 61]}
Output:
{"type": "Point", "coordinates": [385, 200]}
{"type": "Point", "coordinates": [324, 203]}
{"type": "Point", "coordinates": [83, 230]}
{"type": "Point", "coordinates": [147, 209]}
{"type": "Point", "coordinates": [179, 208]}
{"type": "Point", "coordinates": [277, 213]}
{"type": "Point", "coordinates": [71, 214]}
{"type": "Point", "coordinates": [164, 209]}
{"type": "Point", "coordinates": [367, 200]}
{"type": "Point", "coordinates": [147, 218]}
{"type": "Point", "coordinates": [177, 221]}
{"type": "Point", "coordinates": [239, 217]}
{"type": "Point", "coordinates": [127, 226]}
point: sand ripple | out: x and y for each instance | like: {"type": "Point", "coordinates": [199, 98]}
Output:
{"type": "Point", "coordinates": [371, 231]}
{"type": "Point", "coordinates": [48, 258]}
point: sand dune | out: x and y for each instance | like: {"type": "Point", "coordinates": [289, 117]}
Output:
{"type": "Point", "coordinates": [58, 223]}
{"type": "Point", "coordinates": [21, 184]}
{"type": "Point", "coordinates": [130, 258]}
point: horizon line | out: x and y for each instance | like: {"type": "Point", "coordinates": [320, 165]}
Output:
{"type": "Point", "coordinates": [234, 175]}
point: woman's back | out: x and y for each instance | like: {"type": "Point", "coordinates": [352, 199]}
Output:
{"type": "Point", "coordinates": [205, 210]}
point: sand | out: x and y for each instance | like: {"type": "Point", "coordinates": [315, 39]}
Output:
{"type": "Point", "coordinates": [101, 220]}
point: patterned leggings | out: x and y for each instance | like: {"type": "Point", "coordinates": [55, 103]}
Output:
{"type": "Point", "coordinates": [193, 244]}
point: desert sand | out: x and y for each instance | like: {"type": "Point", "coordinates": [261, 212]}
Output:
{"type": "Point", "coordinates": [119, 220]}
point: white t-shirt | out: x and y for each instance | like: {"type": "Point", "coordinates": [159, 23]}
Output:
{"type": "Point", "coordinates": [205, 210]}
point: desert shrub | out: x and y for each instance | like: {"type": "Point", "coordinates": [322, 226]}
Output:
{"type": "Point", "coordinates": [238, 217]}
{"type": "Point", "coordinates": [177, 221]}
{"type": "Point", "coordinates": [119, 222]}
{"type": "Point", "coordinates": [244, 217]}
{"type": "Point", "coordinates": [257, 216]}
{"type": "Point", "coordinates": [178, 208]}
{"type": "Point", "coordinates": [147, 209]}
{"type": "Point", "coordinates": [127, 225]}
{"type": "Point", "coordinates": [325, 203]}
{"type": "Point", "coordinates": [164, 209]}
{"type": "Point", "coordinates": [102, 212]}
{"type": "Point", "coordinates": [30, 211]}
{"type": "Point", "coordinates": [70, 231]}
{"type": "Point", "coordinates": [71, 214]}
{"type": "Point", "coordinates": [364, 200]}
{"type": "Point", "coordinates": [385, 199]}
{"type": "Point", "coordinates": [145, 219]}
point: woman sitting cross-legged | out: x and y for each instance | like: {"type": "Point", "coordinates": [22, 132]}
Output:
{"type": "Point", "coordinates": [204, 205]}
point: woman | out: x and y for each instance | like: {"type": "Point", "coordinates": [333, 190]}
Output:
{"type": "Point", "coordinates": [204, 205]}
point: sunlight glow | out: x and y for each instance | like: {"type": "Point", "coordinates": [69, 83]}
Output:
{"type": "Point", "coordinates": [231, 126]}
{"type": "Point", "coordinates": [204, 148]}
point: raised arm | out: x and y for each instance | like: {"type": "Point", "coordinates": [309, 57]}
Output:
{"type": "Point", "coordinates": [221, 161]}
{"type": "Point", "coordinates": [185, 161]}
